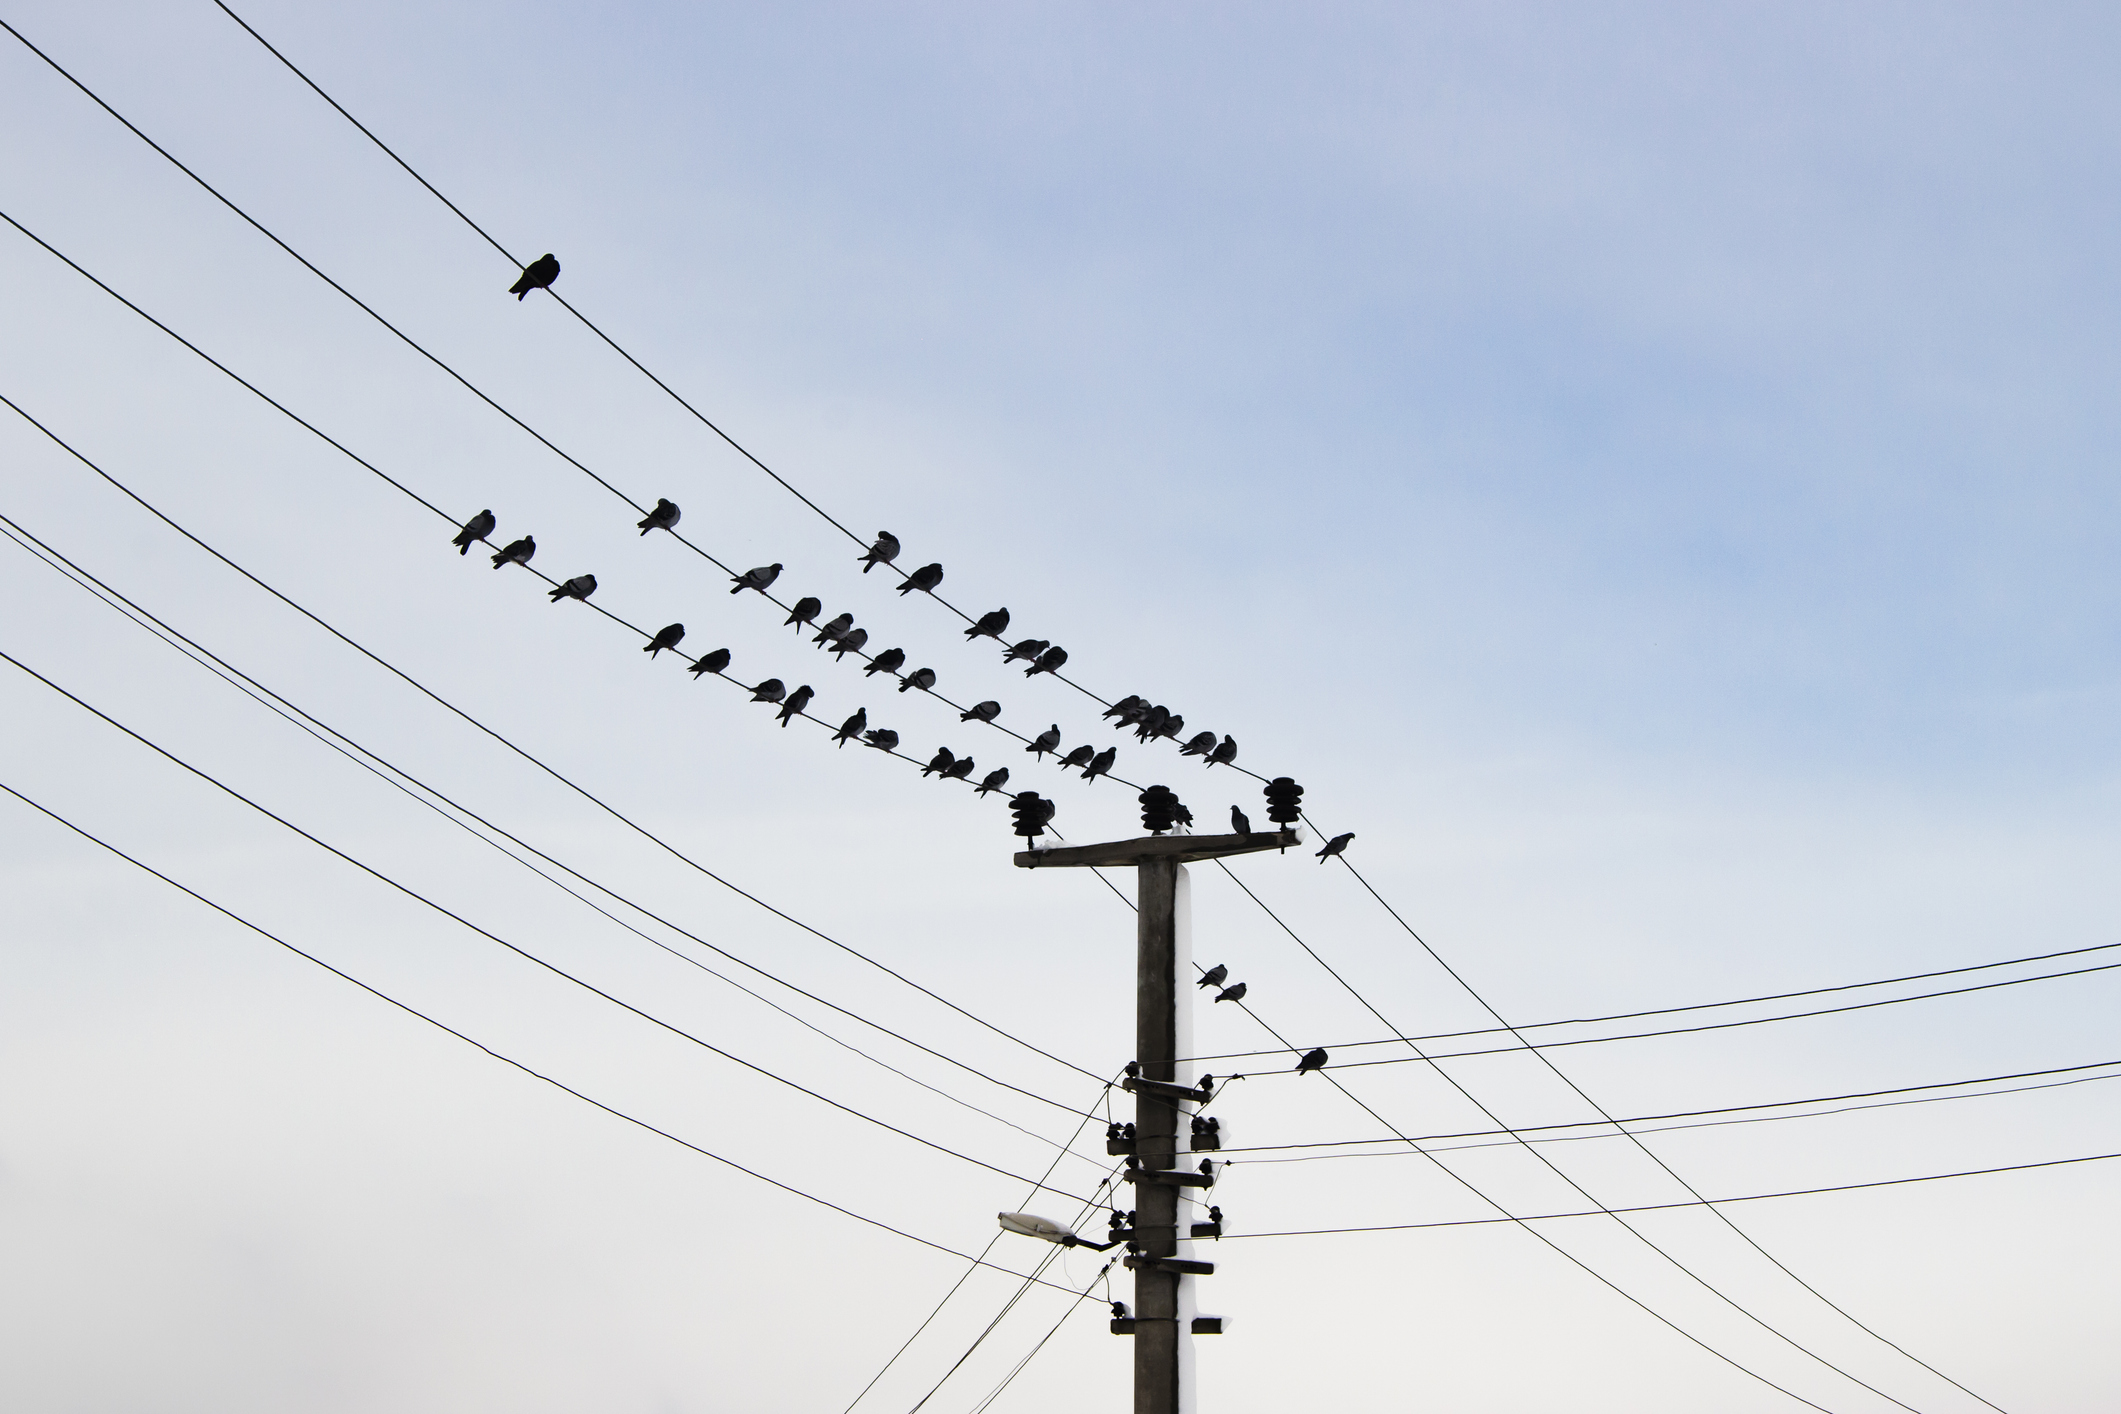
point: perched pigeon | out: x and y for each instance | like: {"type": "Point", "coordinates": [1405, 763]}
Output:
{"type": "Point", "coordinates": [1119, 1310]}
{"type": "Point", "coordinates": [1213, 977]}
{"type": "Point", "coordinates": [1151, 722]}
{"type": "Point", "coordinates": [1235, 992]}
{"type": "Point", "coordinates": [852, 727]}
{"type": "Point", "coordinates": [1048, 740]}
{"type": "Point", "coordinates": [797, 701]}
{"type": "Point", "coordinates": [1335, 846]}
{"type": "Point", "coordinates": [1101, 763]}
{"type": "Point", "coordinates": [989, 625]}
{"type": "Point", "coordinates": [994, 780]}
{"type": "Point", "coordinates": [1226, 753]}
{"type": "Point", "coordinates": [538, 275]}
{"type": "Point", "coordinates": [925, 578]}
{"type": "Point", "coordinates": [888, 661]}
{"type": "Point", "coordinates": [1200, 745]}
{"type": "Point", "coordinates": [663, 517]}
{"type": "Point", "coordinates": [477, 528]}
{"type": "Point", "coordinates": [580, 587]}
{"type": "Point", "coordinates": [850, 642]}
{"type": "Point", "coordinates": [1239, 825]}
{"type": "Point", "coordinates": [1183, 816]}
{"type": "Point", "coordinates": [1123, 706]}
{"type": "Point", "coordinates": [1048, 662]}
{"type": "Point", "coordinates": [922, 678]}
{"type": "Point", "coordinates": [806, 609]}
{"type": "Point", "coordinates": [711, 662]}
{"type": "Point", "coordinates": [666, 637]}
{"type": "Point", "coordinates": [771, 690]}
{"type": "Point", "coordinates": [516, 552]}
{"type": "Point", "coordinates": [883, 552]}
{"type": "Point", "coordinates": [830, 630]}
{"type": "Point", "coordinates": [942, 761]}
{"type": "Point", "coordinates": [981, 712]}
{"type": "Point", "coordinates": [1172, 726]}
{"type": "Point", "coordinates": [1313, 1060]}
{"type": "Point", "coordinates": [883, 739]}
{"type": "Point", "coordinates": [755, 579]}
{"type": "Point", "coordinates": [961, 770]}
{"type": "Point", "coordinates": [1078, 757]}
{"type": "Point", "coordinates": [1027, 650]}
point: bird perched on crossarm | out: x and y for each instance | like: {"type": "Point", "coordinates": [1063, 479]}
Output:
{"type": "Point", "coordinates": [667, 636]}
{"type": "Point", "coordinates": [580, 587]}
{"type": "Point", "coordinates": [1239, 824]}
{"type": "Point", "coordinates": [515, 552]}
{"type": "Point", "coordinates": [796, 702]}
{"type": "Point", "coordinates": [538, 275]}
{"type": "Point", "coordinates": [1213, 977]}
{"type": "Point", "coordinates": [1313, 1060]}
{"type": "Point", "coordinates": [883, 552]}
{"type": "Point", "coordinates": [1335, 846]}
{"type": "Point", "coordinates": [477, 528]}
{"type": "Point", "coordinates": [757, 579]}
{"type": "Point", "coordinates": [665, 516]}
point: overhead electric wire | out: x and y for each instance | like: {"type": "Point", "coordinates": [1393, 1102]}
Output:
{"type": "Point", "coordinates": [505, 1060]}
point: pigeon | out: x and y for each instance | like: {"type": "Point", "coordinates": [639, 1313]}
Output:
{"type": "Point", "coordinates": [960, 771]}
{"type": "Point", "coordinates": [1133, 715]}
{"type": "Point", "coordinates": [989, 625]}
{"type": "Point", "coordinates": [1078, 757]}
{"type": "Point", "coordinates": [1101, 763]}
{"type": "Point", "coordinates": [994, 780]}
{"type": "Point", "coordinates": [538, 275]}
{"type": "Point", "coordinates": [755, 579]}
{"type": "Point", "coordinates": [1235, 992]}
{"type": "Point", "coordinates": [830, 630]}
{"type": "Point", "coordinates": [1313, 1060]}
{"type": "Point", "coordinates": [1200, 745]}
{"type": "Point", "coordinates": [1048, 662]}
{"type": "Point", "coordinates": [1119, 1310]}
{"type": "Point", "coordinates": [883, 739]}
{"type": "Point", "coordinates": [883, 552]}
{"type": "Point", "coordinates": [477, 528]}
{"type": "Point", "coordinates": [925, 578]}
{"type": "Point", "coordinates": [1151, 722]}
{"type": "Point", "coordinates": [981, 712]}
{"type": "Point", "coordinates": [711, 662]}
{"type": "Point", "coordinates": [1048, 740]}
{"type": "Point", "coordinates": [1226, 753]}
{"type": "Point", "coordinates": [797, 701]}
{"type": "Point", "coordinates": [516, 552]}
{"type": "Point", "coordinates": [942, 762]}
{"type": "Point", "coordinates": [1239, 825]}
{"type": "Point", "coordinates": [1213, 977]}
{"type": "Point", "coordinates": [663, 517]}
{"type": "Point", "coordinates": [771, 690]}
{"type": "Point", "coordinates": [667, 637]}
{"type": "Point", "coordinates": [852, 727]}
{"type": "Point", "coordinates": [1123, 706]}
{"type": "Point", "coordinates": [1181, 815]}
{"type": "Point", "coordinates": [1335, 846]}
{"type": "Point", "coordinates": [888, 661]}
{"type": "Point", "coordinates": [1172, 726]}
{"type": "Point", "coordinates": [806, 609]}
{"type": "Point", "coordinates": [1027, 650]}
{"type": "Point", "coordinates": [850, 642]}
{"type": "Point", "coordinates": [580, 587]}
{"type": "Point", "coordinates": [922, 678]}
{"type": "Point", "coordinates": [1215, 1215]}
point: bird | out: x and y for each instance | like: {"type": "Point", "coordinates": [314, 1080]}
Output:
{"type": "Point", "coordinates": [1119, 1310]}
{"type": "Point", "coordinates": [994, 780]}
{"type": "Point", "coordinates": [883, 739]}
{"type": "Point", "coordinates": [883, 552]}
{"type": "Point", "coordinates": [1335, 846]}
{"type": "Point", "coordinates": [830, 630]}
{"type": "Point", "coordinates": [663, 517]}
{"type": "Point", "coordinates": [771, 690]}
{"type": "Point", "coordinates": [711, 662]}
{"type": "Point", "coordinates": [981, 712]}
{"type": "Point", "coordinates": [477, 528]}
{"type": "Point", "coordinates": [888, 661]}
{"type": "Point", "coordinates": [1078, 757]}
{"type": "Point", "coordinates": [941, 762]}
{"type": "Point", "coordinates": [1123, 706]}
{"type": "Point", "coordinates": [925, 578]}
{"type": "Point", "coordinates": [990, 625]}
{"type": "Point", "coordinates": [666, 637]}
{"type": "Point", "coordinates": [1045, 741]}
{"type": "Point", "coordinates": [1239, 825]}
{"type": "Point", "coordinates": [1048, 662]}
{"type": "Point", "coordinates": [850, 642]}
{"type": "Point", "coordinates": [1101, 763]}
{"type": "Point", "coordinates": [1171, 726]}
{"type": "Point", "coordinates": [1151, 722]}
{"type": "Point", "coordinates": [1200, 745]}
{"type": "Point", "coordinates": [1181, 815]}
{"type": "Point", "coordinates": [1313, 1060]}
{"type": "Point", "coordinates": [797, 701]}
{"type": "Point", "coordinates": [960, 771]}
{"type": "Point", "coordinates": [516, 552]}
{"type": "Point", "coordinates": [538, 275]}
{"type": "Point", "coordinates": [852, 727]}
{"type": "Point", "coordinates": [806, 609]}
{"type": "Point", "coordinates": [1235, 992]}
{"type": "Point", "coordinates": [1226, 753]}
{"type": "Point", "coordinates": [1027, 650]}
{"type": "Point", "coordinates": [757, 579]}
{"type": "Point", "coordinates": [580, 587]}
{"type": "Point", "coordinates": [922, 678]}
{"type": "Point", "coordinates": [1213, 977]}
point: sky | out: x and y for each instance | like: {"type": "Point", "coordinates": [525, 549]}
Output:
{"type": "Point", "coordinates": [1645, 469]}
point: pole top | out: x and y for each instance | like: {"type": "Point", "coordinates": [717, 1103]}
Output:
{"type": "Point", "coordinates": [1182, 849]}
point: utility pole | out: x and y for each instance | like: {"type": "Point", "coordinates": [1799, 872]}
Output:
{"type": "Point", "coordinates": [1164, 1320]}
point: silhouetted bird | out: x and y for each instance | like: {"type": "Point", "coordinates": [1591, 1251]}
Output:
{"type": "Point", "coordinates": [1027, 650]}
{"type": "Point", "coordinates": [806, 609]}
{"type": "Point", "coordinates": [1239, 825]}
{"type": "Point", "coordinates": [981, 712]}
{"type": "Point", "coordinates": [961, 770]}
{"type": "Point", "coordinates": [1313, 1060]}
{"type": "Point", "coordinates": [888, 661]}
{"type": "Point", "coordinates": [990, 625]}
{"type": "Point", "coordinates": [1078, 757]}
{"type": "Point", "coordinates": [1200, 745]}
{"type": "Point", "coordinates": [711, 662]}
{"type": "Point", "coordinates": [1101, 763]}
{"type": "Point", "coordinates": [1121, 707]}
{"type": "Point", "coordinates": [994, 780]}
{"type": "Point", "coordinates": [1119, 1310]}
{"type": "Point", "coordinates": [1213, 977]}
{"type": "Point", "coordinates": [830, 630]}
{"type": "Point", "coordinates": [942, 760]}
{"type": "Point", "coordinates": [666, 637]}
{"type": "Point", "coordinates": [1335, 846]}
{"type": "Point", "coordinates": [850, 642]}
{"type": "Point", "coordinates": [922, 678]}
{"type": "Point", "coordinates": [883, 739]}
{"type": "Point", "coordinates": [852, 727]}
{"type": "Point", "coordinates": [477, 528]}
{"type": "Point", "coordinates": [580, 587]}
{"type": "Point", "coordinates": [1048, 662]}
{"type": "Point", "coordinates": [1215, 1215]}
{"type": "Point", "coordinates": [755, 579]}
{"type": "Point", "coordinates": [1151, 722]}
{"type": "Point", "coordinates": [1226, 753]}
{"type": "Point", "coordinates": [883, 552]}
{"type": "Point", "coordinates": [1235, 992]}
{"type": "Point", "coordinates": [771, 690]}
{"type": "Point", "coordinates": [1133, 715]}
{"type": "Point", "coordinates": [924, 578]}
{"type": "Point", "coordinates": [538, 275]}
{"type": "Point", "coordinates": [797, 701]}
{"type": "Point", "coordinates": [665, 516]}
{"type": "Point", "coordinates": [1181, 815]}
{"type": "Point", "coordinates": [1171, 726]}
{"type": "Point", "coordinates": [1045, 741]}
{"type": "Point", "coordinates": [516, 552]}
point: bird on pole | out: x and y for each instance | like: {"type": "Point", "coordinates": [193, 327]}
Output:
{"type": "Point", "coordinates": [1240, 824]}
{"type": "Point", "coordinates": [538, 275]}
{"type": "Point", "coordinates": [476, 529]}
{"type": "Point", "coordinates": [711, 662]}
{"type": "Point", "coordinates": [883, 552]}
{"type": "Point", "coordinates": [665, 516]}
{"type": "Point", "coordinates": [757, 579]}
{"type": "Point", "coordinates": [515, 552]}
{"type": "Point", "coordinates": [1335, 846]}
{"type": "Point", "coordinates": [667, 636]}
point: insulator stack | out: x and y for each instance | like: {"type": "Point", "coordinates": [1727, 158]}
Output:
{"type": "Point", "coordinates": [1160, 809]}
{"type": "Point", "coordinates": [1284, 801]}
{"type": "Point", "coordinates": [1032, 813]}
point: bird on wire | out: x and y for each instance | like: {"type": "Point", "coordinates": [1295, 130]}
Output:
{"type": "Point", "coordinates": [1335, 846]}
{"type": "Point", "coordinates": [1214, 976]}
{"type": "Point", "coordinates": [797, 701]}
{"type": "Point", "coordinates": [981, 712]}
{"type": "Point", "coordinates": [942, 761]}
{"type": "Point", "coordinates": [850, 642]}
{"type": "Point", "coordinates": [1240, 824]}
{"type": "Point", "coordinates": [922, 678]}
{"type": "Point", "coordinates": [668, 636]}
{"type": "Point", "coordinates": [1101, 763]}
{"type": "Point", "coordinates": [883, 739]}
{"type": "Point", "coordinates": [1313, 1060]}
{"type": "Point", "coordinates": [665, 516]}
{"type": "Point", "coordinates": [1027, 650]}
{"type": "Point", "coordinates": [538, 275]}
{"type": "Point", "coordinates": [1151, 722]}
{"type": "Point", "coordinates": [711, 662]}
{"type": "Point", "coordinates": [757, 579]}
{"type": "Point", "coordinates": [1045, 741]}
{"type": "Point", "coordinates": [1048, 662]}
{"type": "Point", "coordinates": [990, 625]}
{"type": "Point", "coordinates": [1173, 725]}
{"type": "Point", "coordinates": [477, 528]}
{"type": "Point", "coordinates": [1122, 707]}
{"type": "Point", "coordinates": [1200, 745]}
{"type": "Point", "coordinates": [1078, 757]}
{"type": "Point", "coordinates": [515, 552]}
{"type": "Point", "coordinates": [1226, 753]}
{"type": "Point", "coordinates": [852, 727]}
{"type": "Point", "coordinates": [806, 609]}
{"type": "Point", "coordinates": [1235, 992]}
{"type": "Point", "coordinates": [958, 770]}
{"type": "Point", "coordinates": [580, 587]}
{"type": "Point", "coordinates": [924, 579]}
{"type": "Point", "coordinates": [1132, 716]}
{"type": "Point", "coordinates": [994, 780]}
{"type": "Point", "coordinates": [830, 630]}
{"type": "Point", "coordinates": [771, 690]}
{"type": "Point", "coordinates": [883, 552]}
{"type": "Point", "coordinates": [888, 661]}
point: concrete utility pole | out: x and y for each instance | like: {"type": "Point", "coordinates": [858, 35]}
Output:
{"type": "Point", "coordinates": [1164, 1321]}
